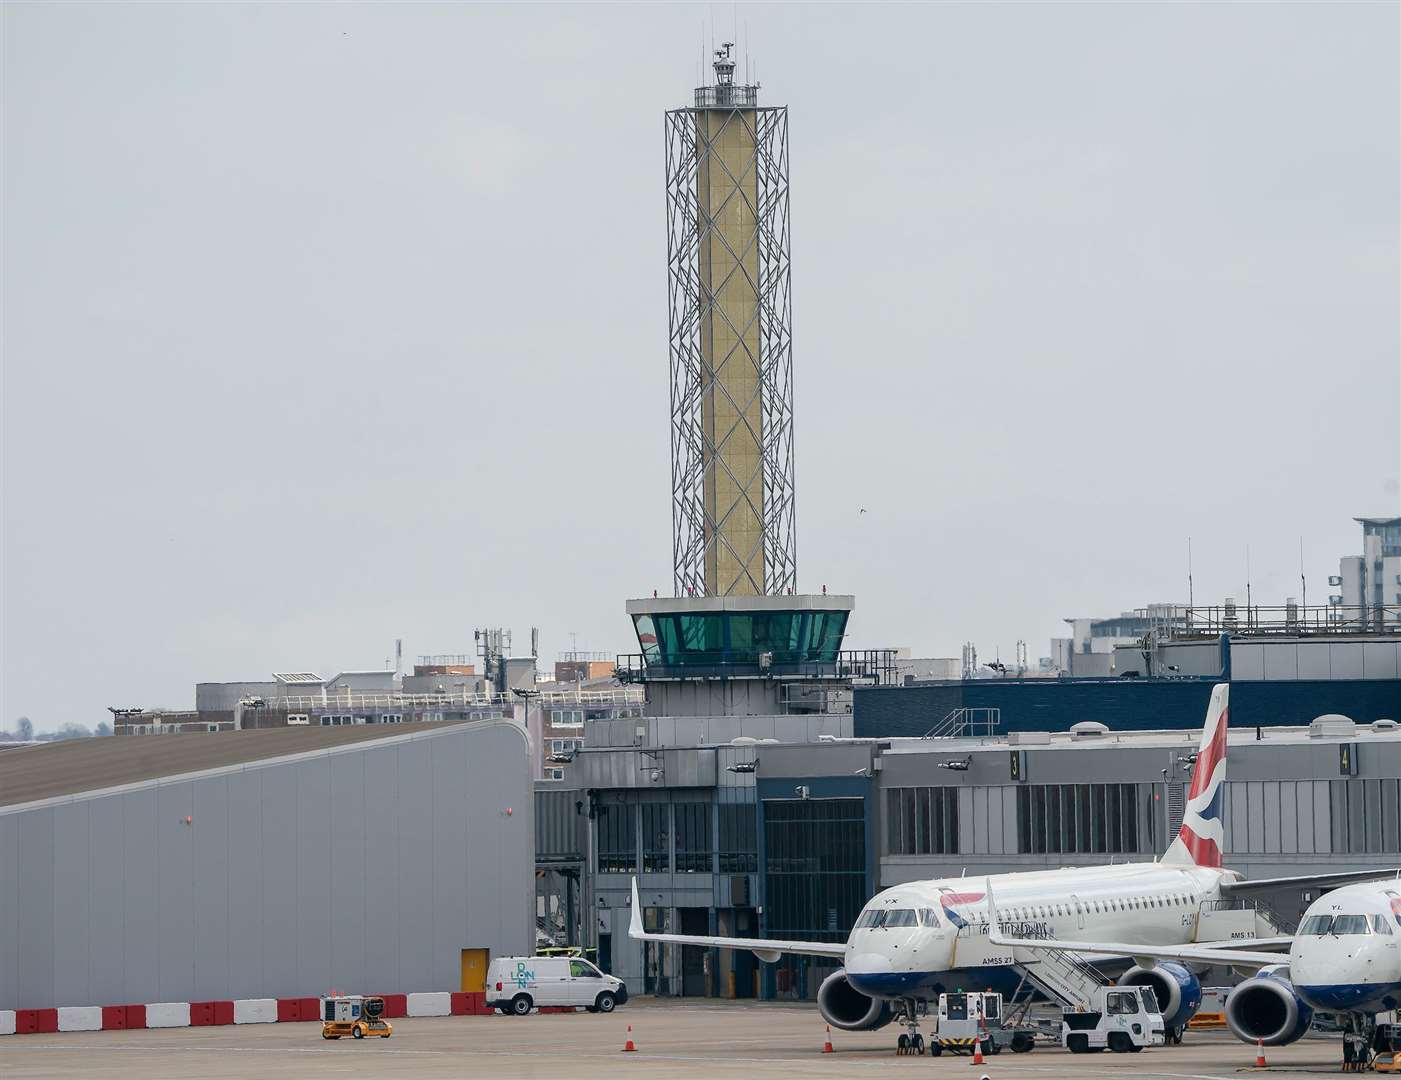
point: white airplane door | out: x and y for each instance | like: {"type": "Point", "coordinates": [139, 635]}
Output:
{"type": "Point", "coordinates": [1079, 911]}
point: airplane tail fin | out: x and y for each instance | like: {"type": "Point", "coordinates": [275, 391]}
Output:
{"type": "Point", "coordinates": [1199, 841]}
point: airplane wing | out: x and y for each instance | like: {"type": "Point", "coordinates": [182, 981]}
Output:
{"type": "Point", "coordinates": [1305, 881]}
{"type": "Point", "coordinates": [1282, 943]}
{"type": "Point", "coordinates": [1207, 954]}
{"type": "Point", "coordinates": [766, 949]}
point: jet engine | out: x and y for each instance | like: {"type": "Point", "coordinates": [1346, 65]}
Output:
{"type": "Point", "coordinates": [845, 1007]}
{"type": "Point", "coordinates": [1177, 988]}
{"type": "Point", "coordinates": [1267, 1008]}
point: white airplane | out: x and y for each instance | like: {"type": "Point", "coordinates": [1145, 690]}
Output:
{"type": "Point", "coordinates": [919, 939]}
{"type": "Point", "coordinates": [1345, 959]}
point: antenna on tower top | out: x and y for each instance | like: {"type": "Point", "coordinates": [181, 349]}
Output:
{"type": "Point", "coordinates": [725, 64]}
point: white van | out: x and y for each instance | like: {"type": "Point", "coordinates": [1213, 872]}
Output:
{"type": "Point", "coordinates": [517, 984]}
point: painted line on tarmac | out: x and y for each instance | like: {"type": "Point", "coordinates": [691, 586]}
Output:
{"type": "Point", "coordinates": [642, 1057]}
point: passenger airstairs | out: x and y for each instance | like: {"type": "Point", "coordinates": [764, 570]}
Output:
{"type": "Point", "coordinates": [1239, 920]}
{"type": "Point", "coordinates": [1061, 977]}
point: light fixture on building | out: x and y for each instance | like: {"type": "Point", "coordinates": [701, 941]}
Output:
{"type": "Point", "coordinates": [961, 765]}
{"type": "Point", "coordinates": [743, 766]}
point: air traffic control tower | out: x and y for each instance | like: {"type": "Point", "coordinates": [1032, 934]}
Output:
{"type": "Point", "coordinates": [736, 639]}
{"type": "Point", "coordinates": [731, 343]}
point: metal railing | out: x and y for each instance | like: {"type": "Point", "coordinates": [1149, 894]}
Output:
{"type": "Point", "coordinates": [727, 97]}
{"type": "Point", "coordinates": [877, 664]}
{"type": "Point", "coordinates": [370, 699]}
{"type": "Point", "coordinates": [1272, 915]}
{"type": "Point", "coordinates": [1284, 620]}
{"type": "Point", "coordinates": [967, 722]}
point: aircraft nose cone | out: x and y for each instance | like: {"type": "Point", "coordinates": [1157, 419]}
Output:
{"type": "Point", "coordinates": [875, 976]}
{"type": "Point", "coordinates": [867, 971]}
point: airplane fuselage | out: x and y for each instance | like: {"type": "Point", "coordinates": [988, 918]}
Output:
{"type": "Point", "coordinates": [1346, 956]}
{"type": "Point", "coordinates": [921, 937]}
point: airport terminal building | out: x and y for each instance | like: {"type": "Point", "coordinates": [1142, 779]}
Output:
{"type": "Point", "coordinates": [790, 838]}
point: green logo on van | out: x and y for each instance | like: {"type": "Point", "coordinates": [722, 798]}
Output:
{"type": "Point", "coordinates": [523, 976]}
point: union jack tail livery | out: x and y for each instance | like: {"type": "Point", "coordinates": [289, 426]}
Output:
{"type": "Point", "coordinates": [1202, 836]}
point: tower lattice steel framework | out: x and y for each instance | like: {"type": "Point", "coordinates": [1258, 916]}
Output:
{"type": "Point", "coordinates": [728, 276]}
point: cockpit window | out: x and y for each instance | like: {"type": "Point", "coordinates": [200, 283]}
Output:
{"type": "Point", "coordinates": [1316, 925]}
{"type": "Point", "coordinates": [1380, 925]}
{"type": "Point", "coordinates": [890, 917]}
{"type": "Point", "coordinates": [927, 917]}
{"type": "Point", "coordinates": [1351, 924]}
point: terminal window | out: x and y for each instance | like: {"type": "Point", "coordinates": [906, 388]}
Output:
{"type": "Point", "coordinates": [739, 838]}
{"type": "Point", "coordinates": [814, 866]}
{"type": "Point", "coordinates": [922, 821]}
{"type": "Point", "coordinates": [617, 837]}
{"type": "Point", "coordinates": [1091, 818]}
{"type": "Point", "coordinates": [656, 838]}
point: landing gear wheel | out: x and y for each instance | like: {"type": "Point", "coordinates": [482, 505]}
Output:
{"type": "Point", "coordinates": [902, 1044]}
{"type": "Point", "coordinates": [1175, 1035]}
{"type": "Point", "coordinates": [917, 1042]}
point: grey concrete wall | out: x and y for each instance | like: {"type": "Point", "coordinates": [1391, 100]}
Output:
{"type": "Point", "coordinates": [363, 869]}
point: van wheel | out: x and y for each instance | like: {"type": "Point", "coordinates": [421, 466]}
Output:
{"type": "Point", "coordinates": [604, 1003]}
{"type": "Point", "coordinates": [359, 1032]}
{"type": "Point", "coordinates": [1078, 1044]}
{"type": "Point", "coordinates": [520, 1004]}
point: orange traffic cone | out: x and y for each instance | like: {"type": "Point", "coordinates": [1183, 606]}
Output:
{"type": "Point", "coordinates": [977, 1051]}
{"type": "Point", "coordinates": [1260, 1054]}
{"type": "Point", "coordinates": [627, 1046]}
{"type": "Point", "coordinates": [827, 1046]}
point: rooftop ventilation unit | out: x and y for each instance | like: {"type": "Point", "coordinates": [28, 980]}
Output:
{"type": "Point", "coordinates": [1331, 724]}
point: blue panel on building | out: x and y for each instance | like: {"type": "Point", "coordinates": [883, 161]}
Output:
{"type": "Point", "coordinates": [1122, 704]}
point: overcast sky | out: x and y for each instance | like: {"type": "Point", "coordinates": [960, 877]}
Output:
{"type": "Point", "coordinates": [326, 325]}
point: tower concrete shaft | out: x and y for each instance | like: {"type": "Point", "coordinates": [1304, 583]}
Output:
{"type": "Point", "coordinates": [733, 529]}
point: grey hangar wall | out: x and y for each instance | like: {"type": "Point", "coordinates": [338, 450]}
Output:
{"type": "Point", "coordinates": [365, 868]}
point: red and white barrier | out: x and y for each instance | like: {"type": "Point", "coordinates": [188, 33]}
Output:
{"type": "Point", "coordinates": [166, 1014]}
{"type": "Point", "coordinates": [430, 1004]}
{"type": "Point", "coordinates": [80, 1019]}
{"type": "Point", "coordinates": [256, 1011]}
